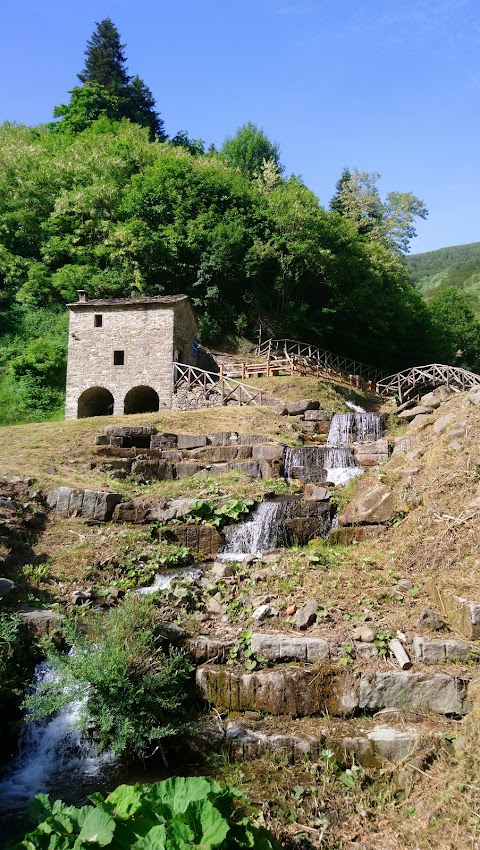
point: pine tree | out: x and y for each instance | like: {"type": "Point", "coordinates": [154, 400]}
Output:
{"type": "Point", "coordinates": [106, 66]}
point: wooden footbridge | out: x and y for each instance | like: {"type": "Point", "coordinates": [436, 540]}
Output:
{"type": "Point", "coordinates": [194, 388]}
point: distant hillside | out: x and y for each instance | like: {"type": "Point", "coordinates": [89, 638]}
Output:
{"type": "Point", "coordinates": [457, 266]}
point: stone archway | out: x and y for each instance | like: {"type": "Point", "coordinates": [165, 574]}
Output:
{"type": "Point", "coordinates": [141, 400]}
{"type": "Point", "coordinates": [96, 401]}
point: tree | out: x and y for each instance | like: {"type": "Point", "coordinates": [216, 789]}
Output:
{"type": "Point", "coordinates": [249, 148]}
{"type": "Point", "coordinates": [390, 222]}
{"type": "Point", "coordinates": [108, 89]}
{"type": "Point", "coordinates": [456, 333]}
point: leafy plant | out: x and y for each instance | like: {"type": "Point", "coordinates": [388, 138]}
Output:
{"type": "Point", "coordinates": [382, 640]}
{"type": "Point", "coordinates": [242, 651]}
{"type": "Point", "coordinates": [130, 682]}
{"type": "Point", "coordinates": [177, 814]}
{"type": "Point", "coordinates": [231, 511]}
{"type": "Point", "coordinates": [139, 568]}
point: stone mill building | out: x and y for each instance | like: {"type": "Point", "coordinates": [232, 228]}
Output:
{"type": "Point", "coordinates": [121, 353]}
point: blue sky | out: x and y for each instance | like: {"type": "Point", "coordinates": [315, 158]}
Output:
{"type": "Point", "coordinates": [383, 86]}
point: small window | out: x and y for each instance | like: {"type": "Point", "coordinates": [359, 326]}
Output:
{"type": "Point", "coordinates": [98, 320]}
{"type": "Point", "coordinates": [118, 358]}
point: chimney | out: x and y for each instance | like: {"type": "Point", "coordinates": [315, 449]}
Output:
{"type": "Point", "coordinates": [81, 296]}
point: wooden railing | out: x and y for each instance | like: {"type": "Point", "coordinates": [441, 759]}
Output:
{"type": "Point", "coordinates": [405, 384]}
{"type": "Point", "coordinates": [273, 348]}
{"type": "Point", "coordinates": [212, 383]}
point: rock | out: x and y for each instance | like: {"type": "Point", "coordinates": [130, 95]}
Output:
{"type": "Point", "coordinates": [191, 441]}
{"type": "Point", "coordinates": [202, 649]}
{"type": "Point", "coordinates": [221, 454]}
{"type": "Point", "coordinates": [221, 570]}
{"type": "Point", "coordinates": [402, 586]}
{"type": "Point", "coordinates": [6, 587]}
{"type": "Point", "coordinates": [434, 651]}
{"type": "Point", "coordinates": [436, 397]}
{"type": "Point", "coordinates": [421, 421]}
{"type": "Point", "coordinates": [418, 410]}
{"type": "Point", "coordinates": [263, 612]}
{"type": "Point", "coordinates": [91, 504]}
{"type": "Point", "coordinates": [316, 416]}
{"type": "Point", "coordinates": [371, 454]}
{"type": "Point", "coordinates": [150, 469]}
{"type": "Point", "coordinates": [284, 647]}
{"type": "Point", "coordinates": [296, 408]}
{"type": "Point", "coordinates": [249, 559]}
{"type": "Point", "coordinates": [405, 444]}
{"type": "Point", "coordinates": [317, 493]}
{"type": "Point", "coordinates": [42, 623]}
{"type": "Point", "coordinates": [474, 397]}
{"type": "Point", "coordinates": [306, 615]}
{"type": "Point", "coordinates": [373, 503]}
{"type": "Point", "coordinates": [345, 536]}
{"type": "Point", "coordinates": [456, 434]}
{"type": "Point", "coordinates": [268, 452]}
{"type": "Point", "coordinates": [186, 468]}
{"type": "Point", "coordinates": [163, 441]}
{"type": "Point", "coordinates": [431, 620]}
{"type": "Point", "coordinates": [294, 691]}
{"type": "Point", "coordinates": [248, 467]}
{"type": "Point", "coordinates": [363, 633]}
{"type": "Point", "coordinates": [79, 597]}
{"type": "Point", "coordinates": [203, 541]}
{"type": "Point", "coordinates": [213, 606]}
{"type": "Point", "coordinates": [365, 651]}
{"type": "Point", "coordinates": [439, 692]}
{"type": "Point", "coordinates": [462, 613]}
{"type": "Point", "coordinates": [442, 422]}
{"type": "Point", "coordinates": [291, 610]}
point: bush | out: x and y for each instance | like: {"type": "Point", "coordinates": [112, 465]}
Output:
{"type": "Point", "coordinates": [178, 814]}
{"type": "Point", "coordinates": [131, 684]}
{"type": "Point", "coordinates": [16, 662]}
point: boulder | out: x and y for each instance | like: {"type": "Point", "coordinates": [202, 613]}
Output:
{"type": "Point", "coordinates": [474, 397]}
{"type": "Point", "coordinates": [316, 416]}
{"type": "Point", "coordinates": [6, 587]}
{"type": "Point", "coordinates": [443, 422]}
{"type": "Point", "coordinates": [431, 620]}
{"type": "Point", "coordinates": [436, 397]}
{"type": "Point", "coordinates": [306, 615]}
{"type": "Point", "coordinates": [440, 692]}
{"type": "Point", "coordinates": [418, 410]}
{"type": "Point", "coordinates": [317, 493]}
{"type": "Point", "coordinates": [373, 503]}
{"type": "Point", "coordinates": [296, 408]}
{"type": "Point", "coordinates": [371, 454]}
{"type": "Point", "coordinates": [42, 623]}
{"type": "Point", "coordinates": [92, 504]}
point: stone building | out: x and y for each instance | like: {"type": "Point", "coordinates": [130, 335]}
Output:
{"type": "Point", "coordinates": [121, 353]}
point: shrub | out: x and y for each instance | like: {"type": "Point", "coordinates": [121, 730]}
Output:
{"type": "Point", "coordinates": [131, 684]}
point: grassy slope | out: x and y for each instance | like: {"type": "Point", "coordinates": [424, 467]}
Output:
{"type": "Point", "coordinates": [428, 544]}
{"type": "Point", "coordinates": [457, 266]}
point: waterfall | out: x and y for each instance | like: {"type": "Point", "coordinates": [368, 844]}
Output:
{"type": "Point", "coordinates": [254, 535]}
{"type": "Point", "coordinates": [340, 466]}
{"type": "Point", "coordinates": [368, 427]}
{"type": "Point", "coordinates": [163, 581]}
{"type": "Point", "coordinates": [341, 429]}
{"type": "Point", "coordinates": [52, 757]}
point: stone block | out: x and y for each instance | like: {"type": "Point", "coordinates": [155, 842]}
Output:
{"type": "Point", "coordinates": [434, 651]}
{"type": "Point", "coordinates": [371, 454]}
{"type": "Point", "coordinates": [345, 536]}
{"type": "Point", "coordinates": [461, 613]}
{"type": "Point", "coordinates": [285, 647]}
{"type": "Point", "coordinates": [221, 454]}
{"type": "Point", "coordinates": [203, 541]}
{"type": "Point", "coordinates": [223, 438]}
{"type": "Point", "coordinates": [405, 444]}
{"type": "Point", "coordinates": [443, 422]}
{"type": "Point", "coordinates": [296, 408]}
{"type": "Point", "coordinates": [418, 410]}
{"type": "Point", "coordinates": [270, 469]}
{"type": "Point", "coordinates": [131, 431]}
{"type": "Point", "coordinates": [270, 451]}
{"type": "Point", "coordinates": [251, 439]}
{"type": "Point", "coordinates": [317, 493]}
{"type": "Point", "coordinates": [202, 649]}
{"type": "Point", "coordinates": [91, 504]}
{"type": "Point", "coordinates": [373, 503]}
{"type": "Point", "coordinates": [163, 441]}
{"type": "Point", "coordinates": [249, 467]}
{"type": "Point", "coordinates": [219, 468]}
{"type": "Point", "coordinates": [152, 470]}
{"type": "Point", "coordinates": [191, 441]}
{"type": "Point", "coordinates": [294, 691]}
{"type": "Point", "coordinates": [440, 692]}
{"type": "Point", "coordinates": [186, 468]}
{"type": "Point", "coordinates": [316, 416]}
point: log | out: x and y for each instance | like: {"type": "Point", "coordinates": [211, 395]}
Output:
{"type": "Point", "coordinates": [398, 651]}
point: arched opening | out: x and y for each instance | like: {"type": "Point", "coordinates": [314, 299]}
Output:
{"type": "Point", "coordinates": [141, 400]}
{"type": "Point", "coordinates": [97, 401]}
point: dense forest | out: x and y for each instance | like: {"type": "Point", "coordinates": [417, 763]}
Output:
{"type": "Point", "coordinates": [101, 199]}
{"type": "Point", "coordinates": [457, 266]}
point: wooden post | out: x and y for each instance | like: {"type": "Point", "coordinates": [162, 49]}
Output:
{"type": "Point", "coordinates": [243, 371]}
{"type": "Point", "coordinates": [398, 651]}
{"type": "Point", "coordinates": [221, 370]}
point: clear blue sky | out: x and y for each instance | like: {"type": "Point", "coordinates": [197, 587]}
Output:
{"type": "Point", "coordinates": [382, 85]}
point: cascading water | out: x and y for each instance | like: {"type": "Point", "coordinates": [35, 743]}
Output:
{"type": "Point", "coordinates": [163, 581]}
{"type": "Point", "coordinates": [53, 758]}
{"type": "Point", "coordinates": [254, 535]}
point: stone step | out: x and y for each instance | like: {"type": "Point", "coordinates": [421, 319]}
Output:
{"type": "Point", "coordinates": [308, 691]}
{"type": "Point", "coordinates": [371, 743]}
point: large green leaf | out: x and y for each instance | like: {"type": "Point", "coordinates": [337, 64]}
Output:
{"type": "Point", "coordinates": [179, 791]}
{"type": "Point", "coordinates": [98, 827]}
{"type": "Point", "coordinates": [207, 824]}
{"type": "Point", "coordinates": [155, 839]}
{"type": "Point", "coordinates": [124, 801]}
